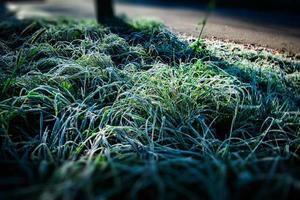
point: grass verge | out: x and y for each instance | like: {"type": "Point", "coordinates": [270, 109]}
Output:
{"type": "Point", "coordinates": [131, 110]}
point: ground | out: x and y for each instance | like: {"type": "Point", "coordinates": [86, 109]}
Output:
{"type": "Point", "coordinates": [129, 109]}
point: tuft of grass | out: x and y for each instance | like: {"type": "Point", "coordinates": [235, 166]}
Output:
{"type": "Point", "coordinates": [132, 110]}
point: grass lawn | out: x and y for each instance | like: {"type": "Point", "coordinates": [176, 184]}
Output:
{"type": "Point", "coordinates": [132, 110]}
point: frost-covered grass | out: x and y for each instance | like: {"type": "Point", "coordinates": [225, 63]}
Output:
{"type": "Point", "coordinates": [132, 111]}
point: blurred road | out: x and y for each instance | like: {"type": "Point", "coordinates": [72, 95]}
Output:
{"type": "Point", "coordinates": [270, 29]}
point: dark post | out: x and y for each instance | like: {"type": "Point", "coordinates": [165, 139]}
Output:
{"type": "Point", "coordinates": [104, 10]}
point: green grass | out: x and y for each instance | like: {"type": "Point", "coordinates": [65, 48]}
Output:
{"type": "Point", "coordinates": [134, 111]}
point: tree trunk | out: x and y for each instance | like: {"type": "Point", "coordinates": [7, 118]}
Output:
{"type": "Point", "coordinates": [104, 10]}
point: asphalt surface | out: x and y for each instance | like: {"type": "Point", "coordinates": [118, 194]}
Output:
{"type": "Point", "coordinates": [273, 29]}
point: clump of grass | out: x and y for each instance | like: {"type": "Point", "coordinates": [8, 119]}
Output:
{"type": "Point", "coordinates": [94, 111]}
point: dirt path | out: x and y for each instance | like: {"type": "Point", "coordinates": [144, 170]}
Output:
{"type": "Point", "coordinates": [274, 30]}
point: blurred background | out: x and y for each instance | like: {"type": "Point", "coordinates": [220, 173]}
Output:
{"type": "Point", "coordinates": [270, 23]}
{"type": "Point", "coordinates": [251, 4]}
